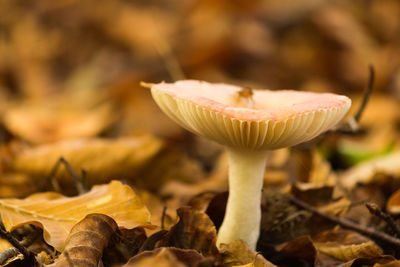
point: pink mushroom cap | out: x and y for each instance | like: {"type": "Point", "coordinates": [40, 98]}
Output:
{"type": "Point", "coordinates": [266, 120]}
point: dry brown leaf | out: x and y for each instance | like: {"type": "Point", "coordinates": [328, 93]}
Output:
{"type": "Point", "coordinates": [194, 230]}
{"type": "Point", "coordinates": [385, 260]}
{"type": "Point", "coordinates": [86, 241]}
{"type": "Point", "coordinates": [54, 121]}
{"type": "Point", "coordinates": [102, 159]}
{"type": "Point", "coordinates": [125, 244]}
{"type": "Point", "coordinates": [57, 214]}
{"type": "Point", "coordinates": [166, 257]}
{"type": "Point", "coordinates": [349, 252]}
{"type": "Point", "coordinates": [303, 249]}
{"type": "Point", "coordinates": [237, 253]}
{"type": "Point", "coordinates": [311, 167]}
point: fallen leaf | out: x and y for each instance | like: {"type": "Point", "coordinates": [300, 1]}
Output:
{"type": "Point", "coordinates": [281, 220]}
{"type": "Point", "coordinates": [194, 230]}
{"type": "Point", "coordinates": [385, 260]}
{"type": "Point", "coordinates": [349, 252]}
{"type": "Point", "coordinates": [56, 120]}
{"type": "Point", "coordinates": [301, 249]}
{"type": "Point", "coordinates": [57, 214]}
{"type": "Point", "coordinates": [125, 244]}
{"type": "Point", "coordinates": [100, 158]}
{"type": "Point", "coordinates": [237, 253]}
{"type": "Point", "coordinates": [86, 241]}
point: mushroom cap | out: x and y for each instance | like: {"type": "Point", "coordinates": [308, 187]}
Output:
{"type": "Point", "coordinates": [267, 120]}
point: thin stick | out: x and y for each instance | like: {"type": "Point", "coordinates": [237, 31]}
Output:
{"type": "Point", "coordinates": [351, 125]}
{"type": "Point", "coordinates": [375, 210]}
{"type": "Point", "coordinates": [78, 182]}
{"type": "Point", "coordinates": [13, 241]}
{"type": "Point", "coordinates": [164, 49]}
{"type": "Point", "coordinates": [8, 254]}
{"type": "Point", "coordinates": [367, 93]}
{"type": "Point", "coordinates": [83, 179]}
{"type": "Point", "coordinates": [163, 217]}
{"type": "Point", "coordinates": [345, 223]}
{"type": "Point", "coordinates": [30, 238]}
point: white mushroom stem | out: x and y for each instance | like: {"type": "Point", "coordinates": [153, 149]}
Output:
{"type": "Point", "coordinates": [243, 210]}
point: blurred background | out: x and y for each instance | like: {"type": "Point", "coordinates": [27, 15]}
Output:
{"type": "Point", "coordinates": [71, 69]}
{"type": "Point", "coordinates": [52, 46]}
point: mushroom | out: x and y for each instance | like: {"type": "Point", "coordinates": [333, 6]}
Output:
{"type": "Point", "coordinates": [249, 123]}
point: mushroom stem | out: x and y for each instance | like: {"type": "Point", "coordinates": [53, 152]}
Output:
{"type": "Point", "coordinates": [243, 210]}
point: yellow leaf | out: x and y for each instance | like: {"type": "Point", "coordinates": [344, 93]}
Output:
{"type": "Point", "coordinates": [349, 252]}
{"type": "Point", "coordinates": [102, 159]}
{"type": "Point", "coordinates": [56, 120]}
{"type": "Point", "coordinates": [57, 214]}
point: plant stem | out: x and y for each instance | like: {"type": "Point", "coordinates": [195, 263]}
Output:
{"type": "Point", "coordinates": [243, 210]}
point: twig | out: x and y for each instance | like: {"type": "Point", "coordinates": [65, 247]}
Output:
{"type": "Point", "coordinates": [367, 93]}
{"type": "Point", "coordinates": [83, 179]}
{"type": "Point", "coordinates": [13, 241]}
{"type": "Point", "coordinates": [7, 254]}
{"type": "Point", "coordinates": [345, 223]}
{"type": "Point", "coordinates": [29, 239]}
{"type": "Point", "coordinates": [351, 125]}
{"type": "Point", "coordinates": [163, 217]}
{"type": "Point", "coordinates": [78, 182]}
{"type": "Point", "coordinates": [375, 210]}
{"type": "Point", "coordinates": [163, 48]}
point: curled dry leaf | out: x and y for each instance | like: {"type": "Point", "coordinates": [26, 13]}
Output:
{"type": "Point", "coordinates": [57, 214]}
{"type": "Point", "coordinates": [349, 252]}
{"type": "Point", "coordinates": [166, 257]}
{"type": "Point", "coordinates": [86, 241]}
{"type": "Point", "coordinates": [50, 122]}
{"type": "Point", "coordinates": [124, 244]}
{"type": "Point", "coordinates": [194, 230]}
{"type": "Point", "coordinates": [237, 253]}
{"type": "Point", "coordinates": [381, 261]}
{"type": "Point", "coordinates": [102, 159]}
